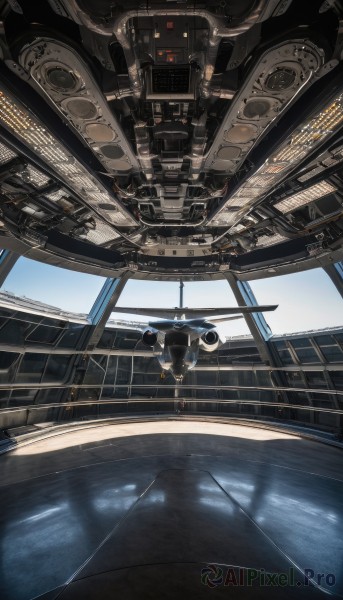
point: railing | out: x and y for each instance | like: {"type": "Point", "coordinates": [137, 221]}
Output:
{"type": "Point", "coordinates": [301, 414]}
{"type": "Point", "coordinates": [47, 385]}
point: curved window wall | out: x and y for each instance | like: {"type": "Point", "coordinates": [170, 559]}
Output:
{"type": "Point", "coordinates": [67, 290]}
{"type": "Point", "coordinates": [307, 300]}
{"type": "Point", "coordinates": [205, 294]}
{"type": "Point", "coordinates": [52, 369]}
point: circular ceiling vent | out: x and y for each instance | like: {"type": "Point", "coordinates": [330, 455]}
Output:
{"type": "Point", "coordinates": [112, 151]}
{"type": "Point", "coordinates": [81, 108]}
{"type": "Point", "coordinates": [61, 79]}
{"type": "Point", "coordinates": [228, 152]}
{"type": "Point", "coordinates": [280, 80]}
{"type": "Point", "coordinates": [121, 165]}
{"type": "Point", "coordinates": [258, 107]}
{"type": "Point", "coordinates": [240, 134]}
{"type": "Point", "coordinates": [100, 132]}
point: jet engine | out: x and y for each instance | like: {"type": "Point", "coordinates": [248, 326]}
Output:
{"type": "Point", "coordinates": [149, 337]}
{"type": "Point", "coordinates": [209, 341]}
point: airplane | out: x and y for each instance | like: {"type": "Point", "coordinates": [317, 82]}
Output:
{"type": "Point", "coordinates": [177, 338]}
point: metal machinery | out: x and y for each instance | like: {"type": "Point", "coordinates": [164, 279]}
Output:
{"type": "Point", "coordinates": [174, 139]}
{"type": "Point", "coordinates": [186, 141]}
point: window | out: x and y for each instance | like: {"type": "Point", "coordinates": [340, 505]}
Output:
{"type": "Point", "coordinates": [307, 301]}
{"type": "Point", "coordinates": [165, 294]}
{"type": "Point", "coordinates": [60, 288]}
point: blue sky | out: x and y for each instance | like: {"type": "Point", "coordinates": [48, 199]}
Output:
{"type": "Point", "coordinates": [307, 300]}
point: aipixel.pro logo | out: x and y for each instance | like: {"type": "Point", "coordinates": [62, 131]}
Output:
{"type": "Point", "coordinates": [212, 575]}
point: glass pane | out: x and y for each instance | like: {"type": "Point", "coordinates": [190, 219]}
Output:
{"type": "Point", "coordinates": [31, 368]}
{"type": "Point", "coordinates": [325, 340]}
{"type": "Point", "coordinates": [306, 301]}
{"type": "Point", "coordinates": [286, 357]}
{"type": "Point", "coordinates": [43, 335]}
{"type": "Point", "coordinates": [337, 380]}
{"type": "Point", "coordinates": [7, 359]}
{"type": "Point", "coordinates": [56, 368]}
{"type": "Point", "coordinates": [301, 343]}
{"type": "Point", "coordinates": [316, 379]}
{"type": "Point", "coordinates": [333, 354]}
{"type": "Point", "coordinates": [308, 355]}
{"type": "Point", "coordinates": [60, 288]}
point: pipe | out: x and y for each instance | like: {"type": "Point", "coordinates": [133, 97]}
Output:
{"type": "Point", "coordinates": [217, 31]}
{"type": "Point", "coordinates": [173, 223]}
{"type": "Point", "coordinates": [217, 27]}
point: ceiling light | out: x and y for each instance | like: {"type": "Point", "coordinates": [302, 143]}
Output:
{"type": "Point", "coordinates": [260, 180]}
{"type": "Point", "coordinates": [311, 173]}
{"type": "Point", "coordinates": [270, 240]}
{"type": "Point", "coordinates": [273, 168]}
{"type": "Point", "coordinates": [290, 154]}
{"type": "Point", "coordinates": [29, 130]}
{"type": "Point", "coordinates": [305, 197]}
{"type": "Point", "coordinates": [76, 94]}
{"type": "Point", "coordinates": [303, 140]}
{"type": "Point", "coordinates": [35, 177]}
{"type": "Point", "coordinates": [102, 234]}
{"type": "Point", "coordinates": [281, 73]}
{"type": "Point", "coordinates": [55, 196]}
{"type": "Point", "coordinates": [5, 154]}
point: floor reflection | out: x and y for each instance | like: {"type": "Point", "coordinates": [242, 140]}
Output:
{"type": "Point", "coordinates": [168, 497]}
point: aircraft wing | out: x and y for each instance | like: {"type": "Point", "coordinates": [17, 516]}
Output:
{"type": "Point", "coordinates": [224, 319]}
{"type": "Point", "coordinates": [193, 313]}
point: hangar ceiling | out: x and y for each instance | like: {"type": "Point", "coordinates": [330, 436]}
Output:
{"type": "Point", "coordinates": [172, 139]}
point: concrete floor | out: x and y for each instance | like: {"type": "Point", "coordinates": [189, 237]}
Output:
{"type": "Point", "coordinates": [171, 509]}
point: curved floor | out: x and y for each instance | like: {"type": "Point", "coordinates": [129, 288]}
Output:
{"type": "Point", "coordinates": [171, 509]}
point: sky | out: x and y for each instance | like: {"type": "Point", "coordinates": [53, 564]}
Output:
{"type": "Point", "coordinates": [307, 300]}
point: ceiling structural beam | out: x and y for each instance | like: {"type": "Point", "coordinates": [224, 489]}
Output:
{"type": "Point", "coordinates": [335, 273]}
{"type": "Point", "coordinates": [7, 262]}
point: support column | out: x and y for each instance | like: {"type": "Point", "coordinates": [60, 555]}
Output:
{"type": "Point", "coordinates": [326, 373]}
{"type": "Point", "coordinates": [335, 273]}
{"type": "Point", "coordinates": [97, 317]}
{"type": "Point", "coordinates": [103, 305]}
{"type": "Point", "coordinates": [259, 329]}
{"type": "Point", "coordinates": [256, 322]}
{"type": "Point", "coordinates": [7, 262]}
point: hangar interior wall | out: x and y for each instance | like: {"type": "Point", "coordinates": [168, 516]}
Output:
{"type": "Point", "coordinates": [47, 375]}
